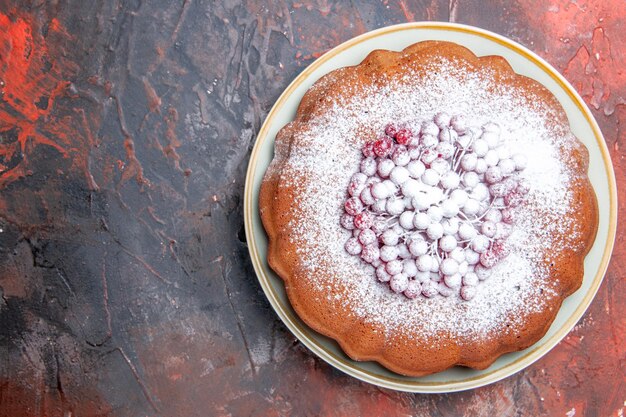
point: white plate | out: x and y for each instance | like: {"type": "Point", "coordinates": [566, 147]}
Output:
{"type": "Point", "coordinates": [524, 62]}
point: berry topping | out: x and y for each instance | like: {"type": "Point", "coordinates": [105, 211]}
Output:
{"type": "Point", "coordinates": [367, 237]}
{"type": "Point", "coordinates": [368, 149]}
{"type": "Point", "coordinates": [391, 130]}
{"type": "Point", "coordinates": [353, 247]}
{"type": "Point", "coordinates": [470, 279]}
{"type": "Point", "coordinates": [459, 123]}
{"type": "Point", "coordinates": [406, 220]}
{"type": "Point", "coordinates": [394, 266]}
{"type": "Point", "coordinates": [399, 175]}
{"type": "Point", "coordinates": [347, 221]}
{"type": "Point", "coordinates": [403, 251]}
{"type": "Point", "coordinates": [418, 248]}
{"type": "Point", "coordinates": [429, 289]}
{"type": "Point", "coordinates": [403, 136]}
{"type": "Point", "coordinates": [481, 166]}
{"type": "Point", "coordinates": [382, 274]}
{"type": "Point", "coordinates": [363, 220]}
{"type": "Point", "coordinates": [493, 175]}
{"type": "Point", "coordinates": [368, 166]}
{"type": "Point", "coordinates": [449, 266]}
{"type": "Point", "coordinates": [370, 253]}
{"type": "Point", "coordinates": [488, 228]}
{"type": "Point", "coordinates": [488, 259]}
{"type": "Point", "coordinates": [453, 280]}
{"type": "Point", "coordinates": [429, 141]}
{"type": "Point", "coordinates": [479, 147]}
{"type": "Point", "coordinates": [467, 292]}
{"type": "Point", "coordinates": [409, 268]}
{"type": "Point", "coordinates": [513, 199]}
{"type": "Point", "coordinates": [380, 191]}
{"type": "Point", "coordinates": [395, 206]}
{"type": "Point", "coordinates": [383, 147]}
{"type": "Point", "coordinates": [447, 243]}
{"type": "Point", "coordinates": [413, 289]}
{"type": "Point", "coordinates": [442, 120]}
{"type": "Point", "coordinates": [353, 206]}
{"type": "Point", "coordinates": [399, 282]}
{"type": "Point", "coordinates": [445, 149]}
{"type": "Point", "coordinates": [389, 253]}
{"type": "Point", "coordinates": [400, 156]}
{"type": "Point", "coordinates": [431, 209]}
{"type": "Point", "coordinates": [430, 128]}
{"type": "Point", "coordinates": [450, 180]}
{"type": "Point", "coordinates": [366, 196]}
{"type": "Point", "coordinates": [384, 167]}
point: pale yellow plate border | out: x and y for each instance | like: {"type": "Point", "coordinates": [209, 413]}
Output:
{"type": "Point", "coordinates": [371, 372]}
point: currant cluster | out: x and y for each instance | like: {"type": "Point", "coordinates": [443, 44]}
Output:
{"type": "Point", "coordinates": [430, 208]}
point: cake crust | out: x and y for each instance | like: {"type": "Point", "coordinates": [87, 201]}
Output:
{"type": "Point", "coordinates": [363, 339]}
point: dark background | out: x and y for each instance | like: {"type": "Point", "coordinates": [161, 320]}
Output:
{"type": "Point", "coordinates": [126, 288]}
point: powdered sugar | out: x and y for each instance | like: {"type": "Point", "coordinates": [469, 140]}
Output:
{"type": "Point", "coordinates": [326, 151]}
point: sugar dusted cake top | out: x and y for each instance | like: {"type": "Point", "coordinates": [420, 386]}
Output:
{"type": "Point", "coordinates": [351, 295]}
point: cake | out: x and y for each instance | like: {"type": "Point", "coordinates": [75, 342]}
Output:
{"type": "Point", "coordinates": [428, 208]}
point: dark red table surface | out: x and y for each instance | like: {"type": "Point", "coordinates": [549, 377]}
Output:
{"type": "Point", "coordinates": [126, 288]}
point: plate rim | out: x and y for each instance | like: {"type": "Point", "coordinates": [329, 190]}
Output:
{"type": "Point", "coordinates": [348, 366]}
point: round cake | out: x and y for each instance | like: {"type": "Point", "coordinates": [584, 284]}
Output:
{"type": "Point", "coordinates": [428, 208]}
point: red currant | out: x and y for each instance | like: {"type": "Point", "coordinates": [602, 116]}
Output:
{"type": "Point", "coordinates": [391, 130]}
{"type": "Point", "coordinates": [363, 220]}
{"type": "Point", "coordinates": [368, 149]}
{"type": "Point", "coordinates": [488, 258]}
{"type": "Point", "coordinates": [383, 147]}
{"type": "Point", "coordinates": [353, 206]}
{"type": "Point", "coordinates": [404, 136]}
{"type": "Point", "coordinates": [513, 199]}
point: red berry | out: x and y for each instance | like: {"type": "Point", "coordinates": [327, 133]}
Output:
{"type": "Point", "coordinates": [414, 149]}
{"type": "Point", "coordinates": [372, 180]}
{"type": "Point", "coordinates": [383, 147]}
{"type": "Point", "coordinates": [523, 187]}
{"type": "Point", "coordinates": [347, 221]}
{"type": "Point", "coordinates": [507, 216]}
{"type": "Point", "coordinates": [382, 274]}
{"type": "Point", "coordinates": [356, 185]}
{"type": "Point", "coordinates": [353, 206]}
{"type": "Point", "coordinates": [400, 156]}
{"type": "Point", "coordinates": [413, 289]}
{"type": "Point", "coordinates": [391, 130]}
{"type": "Point", "coordinates": [467, 293]}
{"type": "Point", "coordinates": [513, 199]}
{"type": "Point", "coordinates": [428, 156]}
{"type": "Point", "coordinates": [353, 247]}
{"type": "Point", "coordinates": [499, 249]}
{"type": "Point", "coordinates": [510, 184]}
{"type": "Point", "coordinates": [368, 149]}
{"type": "Point", "coordinates": [498, 190]}
{"type": "Point", "coordinates": [368, 166]}
{"type": "Point", "coordinates": [403, 136]}
{"type": "Point", "coordinates": [363, 220]}
{"type": "Point", "coordinates": [503, 230]}
{"type": "Point", "coordinates": [367, 237]}
{"type": "Point", "coordinates": [429, 289]}
{"type": "Point", "coordinates": [488, 258]}
{"type": "Point", "coordinates": [370, 253]}
{"type": "Point", "coordinates": [366, 196]}
{"type": "Point", "coordinates": [378, 226]}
